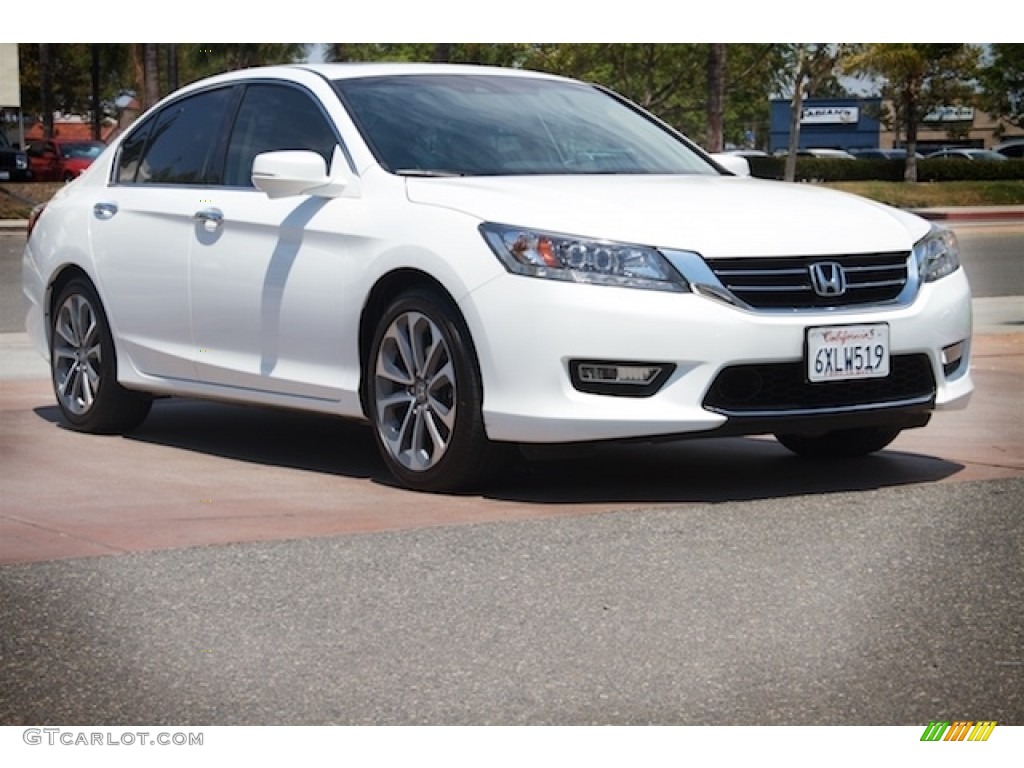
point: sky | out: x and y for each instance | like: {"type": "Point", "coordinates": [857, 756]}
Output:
{"type": "Point", "coordinates": [567, 21]}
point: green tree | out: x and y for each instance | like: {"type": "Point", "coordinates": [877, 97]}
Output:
{"type": "Point", "coordinates": [203, 59]}
{"type": "Point", "coordinates": [672, 81]}
{"type": "Point", "coordinates": [1002, 81]}
{"type": "Point", "coordinates": [497, 54]}
{"type": "Point", "coordinates": [918, 77]}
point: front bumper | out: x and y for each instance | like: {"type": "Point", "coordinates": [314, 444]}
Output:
{"type": "Point", "coordinates": [527, 330]}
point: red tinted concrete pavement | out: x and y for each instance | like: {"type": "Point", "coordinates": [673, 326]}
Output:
{"type": "Point", "coordinates": [203, 473]}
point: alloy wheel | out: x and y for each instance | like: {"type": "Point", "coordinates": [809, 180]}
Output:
{"type": "Point", "coordinates": [77, 354]}
{"type": "Point", "coordinates": [415, 391]}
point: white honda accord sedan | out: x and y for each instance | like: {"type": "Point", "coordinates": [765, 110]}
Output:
{"type": "Point", "coordinates": [474, 258]}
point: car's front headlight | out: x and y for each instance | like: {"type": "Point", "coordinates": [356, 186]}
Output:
{"type": "Point", "coordinates": [575, 259]}
{"type": "Point", "coordinates": [937, 254]}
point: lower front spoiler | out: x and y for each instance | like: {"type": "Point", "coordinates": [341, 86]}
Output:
{"type": "Point", "coordinates": [904, 415]}
{"type": "Point", "coordinates": [900, 416]}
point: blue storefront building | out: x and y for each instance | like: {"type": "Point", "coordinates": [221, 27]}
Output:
{"type": "Point", "coordinates": [831, 123]}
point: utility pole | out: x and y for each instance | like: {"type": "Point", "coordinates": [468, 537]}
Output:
{"type": "Point", "coordinates": [716, 97]}
{"type": "Point", "coordinates": [94, 51]}
{"type": "Point", "coordinates": [46, 84]}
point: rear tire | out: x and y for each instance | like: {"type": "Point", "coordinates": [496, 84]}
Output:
{"type": "Point", "coordinates": [83, 366]}
{"type": "Point", "coordinates": [424, 396]}
{"type": "Point", "coordinates": [841, 443]}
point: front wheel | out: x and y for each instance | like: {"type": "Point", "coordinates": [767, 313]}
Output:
{"type": "Point", "coordinates": [83, 367]}
{"type": "Point", "coordinates": [840, 443]}
{"type": "Point", "coordinates": [425, 395]}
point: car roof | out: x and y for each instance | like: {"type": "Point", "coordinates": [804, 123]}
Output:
{"type": "Point", "coordinates": [338, 70]}
{"type": "Point", "coordinates": [353, 70]}
{"type": "Point", "coordinates": [350, 70]}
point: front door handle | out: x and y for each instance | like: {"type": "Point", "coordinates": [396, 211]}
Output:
{"type": "Point", "coordinates": [104, 210]}
{"type": "Point", "coordinates": [210, 216]}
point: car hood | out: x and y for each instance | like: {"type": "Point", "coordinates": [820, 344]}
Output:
{"type": "Point", "coordinates": [711, 215]}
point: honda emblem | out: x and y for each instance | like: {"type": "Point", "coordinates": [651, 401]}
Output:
{"type": "Point", "coordinates": [828, 278]}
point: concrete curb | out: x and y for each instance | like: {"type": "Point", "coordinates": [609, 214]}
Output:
{"type": "Point", "coordinates": [987, 213]}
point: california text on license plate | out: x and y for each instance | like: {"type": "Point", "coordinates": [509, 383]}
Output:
{"type": "Point", "coordinates": [843, 352]}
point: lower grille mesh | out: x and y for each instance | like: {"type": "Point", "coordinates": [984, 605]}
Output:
{"type": "Point", "coordinates": [783, 386]}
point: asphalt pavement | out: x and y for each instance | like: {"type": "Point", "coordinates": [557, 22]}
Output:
{"type": "Point", "coordinates": [886, 607]}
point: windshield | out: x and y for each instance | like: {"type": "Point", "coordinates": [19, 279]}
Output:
{"type": "Point", "coordinates": [498, 125]}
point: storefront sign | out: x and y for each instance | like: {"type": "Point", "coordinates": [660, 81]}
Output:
{"type": "Point", "coordinates": [829, 115]}
{"type": "Point", "coordinates": [950, 115]}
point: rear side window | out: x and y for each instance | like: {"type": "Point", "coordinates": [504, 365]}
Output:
{"type": "Point", "coordinates": [275, 117]}
{"type": "Point", "coordinates": [177, 145]}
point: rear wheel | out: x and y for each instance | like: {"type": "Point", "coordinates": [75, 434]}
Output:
{"type": "Point", "coordinates": [83, 367]}
{"type": "Point", "coordinates": [841, 443]}
{"type": "Point", "coordinates": [425, 395]}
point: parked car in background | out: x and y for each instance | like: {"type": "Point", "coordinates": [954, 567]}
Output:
{"type": "Point", "coordinates": [58, 160]}
{"type": "Point", "coordinates": [956, 153]}
{"type": "Point", "coordinates": [1012, 148]}
{"type": "Point", "coordinates": [14, 165]}
{"type": "Point", "coordinates": [471, 258]}
{"type": "Point", "coordinates": [823, 152]}
{"type": "Point", "coordinates": [877, 153]}
{"type": "Point", "coordinates": [747, 153]}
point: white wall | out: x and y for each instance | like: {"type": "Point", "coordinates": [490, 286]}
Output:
{"type": "Point", "coordinates": [10, 87]}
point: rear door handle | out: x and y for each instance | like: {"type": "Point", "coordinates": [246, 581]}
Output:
{"type": "Point", "coordinates": [104, 210]}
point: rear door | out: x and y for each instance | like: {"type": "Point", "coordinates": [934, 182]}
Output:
{"type": "Point", "coordinates": [144, 224]}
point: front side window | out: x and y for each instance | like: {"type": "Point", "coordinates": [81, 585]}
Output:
{"type": "Point", "coordinates": [275, 117]}
{"type": "Point", "coordinates": [177, 145]}
{"type": "Point", "coordinates": [491, 125]}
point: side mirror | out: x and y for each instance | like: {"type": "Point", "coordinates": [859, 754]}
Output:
{"type": "Point", "coordinates": [735, 164]}
{"type": "Point", "coordinates": [287, 173]}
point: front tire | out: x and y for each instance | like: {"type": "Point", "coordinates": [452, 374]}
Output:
{"type": "Point", "coordinates": [425, 396]}
{"type": "Point", "coordinates": [841, 443]}
{"type": "Point", "coordinates": [83, 367]}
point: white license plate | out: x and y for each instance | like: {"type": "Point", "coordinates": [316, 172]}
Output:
{"type": "Point", "coordinates": [5, 175]}
{"type": "Point", "coordinates": [844, 352]}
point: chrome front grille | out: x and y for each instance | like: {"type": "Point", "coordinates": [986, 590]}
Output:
{"type": "Point", "coordinates": [791, 283]}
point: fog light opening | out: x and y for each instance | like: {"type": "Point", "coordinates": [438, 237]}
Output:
{"type": "Point", "coordinates": [619, 374]}
{"type": "Point", "coordinates": [619, 378]}
{"type": "Point", "coordinates": [952, 356]}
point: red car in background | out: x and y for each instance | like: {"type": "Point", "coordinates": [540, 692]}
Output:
{"type": "Point", "coordinates": [58, 160]}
